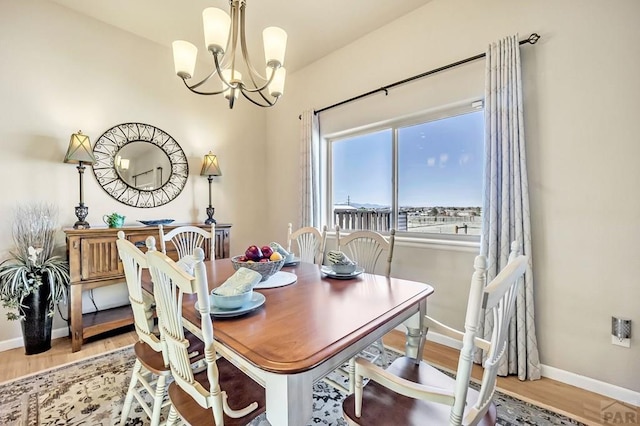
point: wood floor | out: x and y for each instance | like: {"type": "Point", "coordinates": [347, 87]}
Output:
{"type": "Point", "coordinates": [568, 400]}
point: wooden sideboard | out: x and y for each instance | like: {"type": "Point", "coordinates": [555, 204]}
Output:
{"type": "Point", "coordinates": [94, 262]}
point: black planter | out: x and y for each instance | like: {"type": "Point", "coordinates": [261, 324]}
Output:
{"type": "Point", "coordinates": [36, 326]}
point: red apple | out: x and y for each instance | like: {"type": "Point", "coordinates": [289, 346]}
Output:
{"type": "Point", "coordinates": [253, 253]}
{"type": "Point", "coordinates": [266, 252]}
{"type": "Point", "coordinates": [264, 260]}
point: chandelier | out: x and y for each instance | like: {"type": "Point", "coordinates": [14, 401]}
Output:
{"type": "Point", "coordinates": [221, 34]}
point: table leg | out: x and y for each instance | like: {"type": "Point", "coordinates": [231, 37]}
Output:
{"type": "Point", "coordinates": [414, 346]}
{"type": "Point", "coordinates": [289, 399]}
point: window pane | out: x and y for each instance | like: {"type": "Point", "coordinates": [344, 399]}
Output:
{"type": "Point", "coordinates": [361, 178]}
{"type": "Point", "coordinates": [440, 167]}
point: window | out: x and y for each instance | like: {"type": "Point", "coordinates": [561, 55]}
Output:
{"type": "Point", "coordinates": [421, 177]}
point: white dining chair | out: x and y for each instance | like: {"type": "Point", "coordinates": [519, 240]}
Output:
{"type": "Point", "coordinates": [366, 248]}
{"type": "Point", "coordinates": [204, 398]}
{"type": "Point", "coordinates": [187, 238]}
{"type": "Point", "coordinates": [151, 368]}
{"type": "Point", "coordinates": [310, 241]}
{"type": "Point", "coordinates": [412, 392]}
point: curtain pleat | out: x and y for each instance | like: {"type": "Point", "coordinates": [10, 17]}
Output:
{"type": "Point", "coordinates": [506, 201]}
{"type": "Point", "coordinates": [309, 170]}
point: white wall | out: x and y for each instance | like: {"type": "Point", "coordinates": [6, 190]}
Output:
{"type": "Point", "coordinates": [61, 72]}
{"type": "Point", "coordinates": [581, 85]}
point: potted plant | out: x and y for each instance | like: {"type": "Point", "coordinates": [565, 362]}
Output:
{"type": "Point", "coordinates": [33, 281]}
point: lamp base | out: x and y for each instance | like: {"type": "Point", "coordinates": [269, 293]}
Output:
{"type": "Point", "coordinates": [210, 219]}
{"type": "Point", "coordinates": [82, 212]}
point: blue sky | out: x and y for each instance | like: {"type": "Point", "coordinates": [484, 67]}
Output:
{"type": "Point", "coordinates": [440, 164]}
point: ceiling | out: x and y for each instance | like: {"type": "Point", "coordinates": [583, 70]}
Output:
{"type": "Point", "coordinates": [315, 28]}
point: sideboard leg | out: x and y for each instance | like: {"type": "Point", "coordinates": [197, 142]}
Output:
{"type": "Point", "coordinates": [75, 314]}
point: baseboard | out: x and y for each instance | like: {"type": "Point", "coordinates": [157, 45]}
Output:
{"type": "Point", "coordinates": [5, 345]}
{"type": "Point", "coordinates": [587, 383]}
{"type": "Point", "coordinates": [606, 389]}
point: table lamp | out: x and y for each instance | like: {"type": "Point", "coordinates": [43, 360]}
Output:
{"type": "Point", "coordinates": [210, 169]}
{"type": "Point", "coordinates": [80, 152]}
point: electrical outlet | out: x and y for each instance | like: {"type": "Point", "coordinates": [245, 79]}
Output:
{"type": "Point", "coordinates": [621, 342]}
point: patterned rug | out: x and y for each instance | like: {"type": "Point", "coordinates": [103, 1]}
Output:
{"type": "Point", "coordinates": [91, 392]}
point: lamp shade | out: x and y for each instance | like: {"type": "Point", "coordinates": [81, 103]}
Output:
{"type": "Point", "coordinates": [79, 149]}
{"type": "Point", "coordinates": [210, 166]}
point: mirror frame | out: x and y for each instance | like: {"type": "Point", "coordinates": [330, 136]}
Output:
{"type": "Point", "coordinates": [114, 139]}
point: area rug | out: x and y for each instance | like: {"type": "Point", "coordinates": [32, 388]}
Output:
{"type": "Point", "coordinates": [91, 392]}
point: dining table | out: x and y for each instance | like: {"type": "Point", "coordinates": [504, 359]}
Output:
{"type": "Point", "coordinates": [301, 331]}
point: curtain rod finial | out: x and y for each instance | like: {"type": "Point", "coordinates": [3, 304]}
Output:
{"type": "Point", "coordinates": [533, 38]}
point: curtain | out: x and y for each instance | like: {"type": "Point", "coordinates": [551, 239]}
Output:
{"type": "Point", "coordinates": [309, 170]}
{"type": "Point", "coordinates": [506, 200]}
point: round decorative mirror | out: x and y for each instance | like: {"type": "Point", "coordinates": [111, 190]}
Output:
{"type": "Point", "coordinates": [140, 165]}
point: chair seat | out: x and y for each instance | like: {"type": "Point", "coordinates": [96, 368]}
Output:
{"type": "Point", "coordinates": [150, 359]}
{"type": "Point", "coordinates": [241, 391]}
{"type": "Point", "coordinates": [153, 361]}
{"type": "Point", "coordinates": [382, 406]}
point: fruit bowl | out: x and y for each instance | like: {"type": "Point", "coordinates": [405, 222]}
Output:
{"type": "Point", "coordinates": [266, 269]}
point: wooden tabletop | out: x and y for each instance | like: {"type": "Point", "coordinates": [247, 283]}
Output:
{"type": "Point", "coordinates": [302, 324]}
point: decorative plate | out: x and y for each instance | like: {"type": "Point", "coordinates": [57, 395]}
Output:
{"type": "Point", "coordinates": [257, 300]}
{"type": "Point", "coordinates": [333, 274]}
{"type": "Point", "coordinates": [156, 222]}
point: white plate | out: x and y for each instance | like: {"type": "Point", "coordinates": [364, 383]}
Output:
{"type": "Point", "coordinates": [279, 279]}
{"type": "Point", "coordinates": [257, 300]}
{"type": "Point", "coordinates": [292, 262]}
{"type": "Point", "coordinates": [333, 274]}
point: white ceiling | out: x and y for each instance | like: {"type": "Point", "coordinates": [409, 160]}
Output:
{"type": "Point", "coordinates": [315, 27]}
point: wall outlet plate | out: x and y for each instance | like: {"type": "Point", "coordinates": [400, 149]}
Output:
{"type": "Point", "coordinates": [620, 342]}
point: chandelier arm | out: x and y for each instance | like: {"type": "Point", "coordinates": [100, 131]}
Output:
{"type": "Point", "coordinates": [245, 52]}
{"type": "Point", "coordinates": [221, 76]}
{"type": "Point", "coordinates": [258, 89]}
{"type": "Point", "coordinates": [252, 71]}
{"type": "Point", "coordinates": [234, 31]}
{"type": "Point", "coordinates": [192, 88]}
{"type": "Point", "coordinates": [268, 103]}
{"type": "Point", "coordinates": [204, 80]}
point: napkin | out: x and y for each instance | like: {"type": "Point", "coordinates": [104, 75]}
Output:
{"type": "Point", "coordinates": [186, 263]}
{"type": "Point", "coordinates": [241, 281]}
{"type": "Point", "coordinates": [278, 248]}
{"type": "Point", "coordinates": [337, 257]}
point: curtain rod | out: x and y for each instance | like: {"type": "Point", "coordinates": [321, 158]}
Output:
{"type": "Point", "coordinates": [532, 39]}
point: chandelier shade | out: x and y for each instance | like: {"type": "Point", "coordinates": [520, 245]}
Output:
{"type": "Point", "coordinates": [222, 32]}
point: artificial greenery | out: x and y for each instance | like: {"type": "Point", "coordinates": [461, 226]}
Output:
{"type": "Point", "coordinates": [32, 263]}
